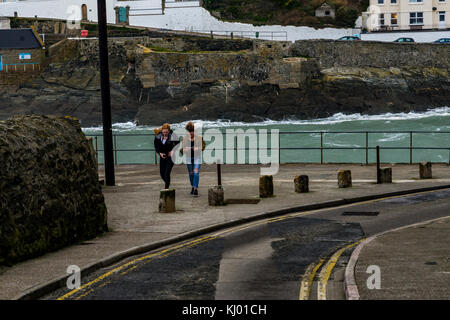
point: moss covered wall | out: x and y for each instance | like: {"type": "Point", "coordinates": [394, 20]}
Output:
{"type": "Point", "coordinates": [50, 196]}
{"type": "Point", "coordinates": [363, 54]}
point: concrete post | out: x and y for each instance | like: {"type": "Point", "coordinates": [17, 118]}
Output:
{"type": "Point", "coordinates": [425, 170]}
{"type": "Point", "coordinates": [216, 196]}
{"type": "Point", "coordinates": [167, 201]}
{"type": "Point", "coordinates": [344, 179]}
{"type": "Point", "coordinates": [301, 184]}
{"type": "Point", "coordinates": [386, 175]}
{"type": "Point", "coordinates": [265, 186]}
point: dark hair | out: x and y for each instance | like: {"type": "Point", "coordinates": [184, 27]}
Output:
{"type": "Point", "coordinates": [190, 126]}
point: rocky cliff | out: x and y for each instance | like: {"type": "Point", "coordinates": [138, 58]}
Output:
{"type": "Point", "coordinates": [50, 195]}
{"type": "Point", "coordinates": [158, 80]}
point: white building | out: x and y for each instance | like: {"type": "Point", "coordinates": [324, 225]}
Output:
{"type": "Point", "coordinates": [407, 15]}
{"type": "Point", "coordinates": [190, 16]}
{"type": "Point", "coordinates": [176, 15]}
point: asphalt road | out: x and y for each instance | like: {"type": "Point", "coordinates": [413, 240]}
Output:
{"type": "Point", "coordinates": [300, 255]}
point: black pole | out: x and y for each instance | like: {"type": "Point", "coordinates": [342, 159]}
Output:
{"type": "Point", "coordinates": [219, 174]}
{"type": "Point", "coordinates": [106, 96]}
{"type": "Point", "coordinates": [378, 165]}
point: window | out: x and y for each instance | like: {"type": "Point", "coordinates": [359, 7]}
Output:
{"type": "Point", "coordinates": [24, 56]}
{"type": "Point", "coordinates": [394, 20]}
{"type": "Point", "coordinates": [327, 13]}
{"type": "Point", "coordinates": [381, 20]}
{"type": "Point", "coordinates": [416, 18]}
{"type": "Point", "coordinates": [393, 1]}
{"type": "Point", "coordinates": [415, 1]}
{"type": "Point", "coordinates": [441, 16]}
{"type": "Point", "coordinates": [380, 1]}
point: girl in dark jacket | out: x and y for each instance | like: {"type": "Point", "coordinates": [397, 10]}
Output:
{"type": "Point", "coordinates": [165, 141]}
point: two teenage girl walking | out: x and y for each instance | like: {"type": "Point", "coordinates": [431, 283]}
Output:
{"type": "Point", "coordinates": [192, 147]}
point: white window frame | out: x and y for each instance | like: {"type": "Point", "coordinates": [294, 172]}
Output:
{"type": "Point", "coordinates": [440, 14]}
{"type": "Point", "coordinates": [416, 1]}
{"type": "Point", "coordinates": [380, 3]}
{"type": "Point", "coordinates": [416, 17]}
{"type": "Point", "coordinates": [394, 2]}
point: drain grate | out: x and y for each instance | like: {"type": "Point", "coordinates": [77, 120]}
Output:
{"type": "Point", "coordinates": [361, 213]}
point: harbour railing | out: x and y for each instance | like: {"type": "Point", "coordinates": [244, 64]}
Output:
{"type": "Point", "coordinates": [262, 35]}
{"type": "Point", "coordinates": [414, 147]}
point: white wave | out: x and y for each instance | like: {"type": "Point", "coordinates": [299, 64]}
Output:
{"type": "Point", "coordinates": [336, 118]}
{"type": "Point", "coordinates": [390, 137]}
{"type": "Point", "coordinates": [343, 145]}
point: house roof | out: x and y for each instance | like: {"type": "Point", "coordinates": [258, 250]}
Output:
{"type": "Point", "coordinates": [19, 39]}
{"type": "Point", "coordinates": [325, 5]}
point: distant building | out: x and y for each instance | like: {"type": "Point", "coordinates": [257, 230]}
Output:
{"type": "Point", "coordinates": [5, 23]}
{"type": "Point", "coordinates": [21, 50]}
{"type": "Point", "coordinates": [407, 15]}
{"type": "Point", "coordinates": [325, 10]}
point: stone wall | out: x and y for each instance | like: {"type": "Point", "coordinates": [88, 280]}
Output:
{"type": "Point", "coordinates": [11, 56]}
{"type": "Point", "coordinates": [50, 195]}
{"type": "Point", "coordinates": [363, 54]}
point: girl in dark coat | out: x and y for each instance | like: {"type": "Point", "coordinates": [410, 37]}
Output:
{"type": "Point", "coordinates": [165, 141]}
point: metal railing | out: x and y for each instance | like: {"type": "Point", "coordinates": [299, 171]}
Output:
{"type": "Point", "coordinates": [410, 148]}
{"type": "Point", "coordinates": [262, 35]}
{"type": "Point", "coordinates": [21, 67]}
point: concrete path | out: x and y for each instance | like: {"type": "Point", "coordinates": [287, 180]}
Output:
{"type": "Point", "coordinates": [134, 219]}
{"type": "Point", "coordinates": [414, 263]}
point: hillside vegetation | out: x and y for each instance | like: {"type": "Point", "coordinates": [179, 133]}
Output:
{"type": "Point", "coordinates": [286, 12]}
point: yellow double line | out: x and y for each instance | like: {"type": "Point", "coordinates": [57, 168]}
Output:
{"type": "Point", "coordinates": [324, 275]}
{"type": "Point", "coordinates": [308, 277]}
{"type": "Point", "coordinates": [159, 254]}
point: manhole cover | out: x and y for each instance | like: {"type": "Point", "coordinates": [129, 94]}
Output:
{"type": "Point", "coordinates": [360, 213]}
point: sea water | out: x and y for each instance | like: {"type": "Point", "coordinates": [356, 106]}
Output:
{"type": "Point", "coordinates": [337, 139]}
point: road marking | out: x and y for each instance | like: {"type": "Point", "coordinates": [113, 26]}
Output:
{"type": "Point", "coordinates": [307, 279]}
{"type": "Point", "coordinates": [121, 267]}
{"type": "Point", "coordinates": [83, 295]}
{"type": "Point", "coordinates": [327, 269]}
{"type": "Point", "coordinates": [197, 241]}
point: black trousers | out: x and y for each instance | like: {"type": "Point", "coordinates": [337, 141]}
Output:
{"type": "Point", "coordinates": [165, 168]}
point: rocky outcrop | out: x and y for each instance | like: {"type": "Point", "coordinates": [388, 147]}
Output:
{"type": "Point", "coordinates": [50, 196]}
{"type": "Point", "coordinates": [68, 89]}
{"type": "Point", "coordinates": [177, 79]}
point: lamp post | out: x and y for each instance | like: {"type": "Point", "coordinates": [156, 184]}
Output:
{"type": "Point", "coordinates": [106, 95]}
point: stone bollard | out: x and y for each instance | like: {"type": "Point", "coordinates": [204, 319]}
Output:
{"type": "Point", "coordinates": [216, 196]}
{"type": "Point", "coordinates": [386, 175]}
{"type": "Point", "coordinates": [265, 186]}
{"type": "Point", "coordinates": [425, 170]}
{"type": "Point", "coordinates": [167, 201]}
{"type": "Point", "coordinates": [301, 184]}
{"type": "Point", "coordinates": [344, 179]}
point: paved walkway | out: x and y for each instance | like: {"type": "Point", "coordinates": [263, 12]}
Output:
{"type": "Point", "coordinates": [134, 219]}
{"type": "Point", "coordinates": [414, 263]}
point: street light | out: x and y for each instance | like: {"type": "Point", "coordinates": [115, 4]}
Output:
{"type": "Point", "coordinates": [106, 95]}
